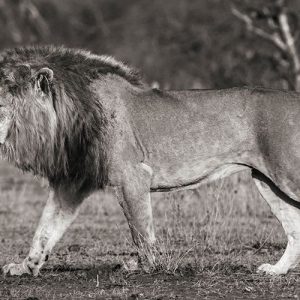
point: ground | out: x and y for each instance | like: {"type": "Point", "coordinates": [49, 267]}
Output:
{"type": "Point", "coordinates": [211, 240]}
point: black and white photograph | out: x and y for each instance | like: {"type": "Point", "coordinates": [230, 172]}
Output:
{"type": "Point", "coordinates": [149, 149]}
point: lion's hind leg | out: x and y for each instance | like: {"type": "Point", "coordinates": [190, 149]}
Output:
{"type": "Point", "coordinates": [289, 217]}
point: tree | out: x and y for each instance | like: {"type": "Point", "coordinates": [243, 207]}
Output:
{"type": "Point", "coordinates": [23, 22]}
{"type": "Point", "coordinates": [273, 23]}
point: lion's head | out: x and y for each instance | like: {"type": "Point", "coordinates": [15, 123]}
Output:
{"type": "Point", "coordinates": [50, 121]}
{"type": "Point", "coordinates": [28, 122]}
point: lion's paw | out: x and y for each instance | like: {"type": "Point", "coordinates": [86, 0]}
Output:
{"type": "Point", "coordinates": [15, 270]}
{"type": "Point", "coordinates": [271, 270]}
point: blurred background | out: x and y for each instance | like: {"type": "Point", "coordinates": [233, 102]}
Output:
{"type": "Point", "coordinates": [177, 43]}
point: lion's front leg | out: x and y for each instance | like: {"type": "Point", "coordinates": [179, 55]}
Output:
{"type": "Point", "coordinates": [134, 198]}
{"type": "Point", "coordinates": [60, 210]}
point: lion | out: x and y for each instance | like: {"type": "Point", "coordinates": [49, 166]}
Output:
{"type": "Point", "coordinates": [87, 122]}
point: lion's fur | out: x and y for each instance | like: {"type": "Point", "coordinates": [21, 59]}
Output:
{"type": "Point", "coordinates": [63, 140]}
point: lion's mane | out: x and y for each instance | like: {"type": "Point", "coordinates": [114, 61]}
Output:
{"type": "Point", "coordinates": [66, 140]}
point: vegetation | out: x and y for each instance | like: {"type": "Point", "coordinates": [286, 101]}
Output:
{"type": "Point", "coordinates": [211, 241]}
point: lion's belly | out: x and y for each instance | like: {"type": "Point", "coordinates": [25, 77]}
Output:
{"type": "Point", "coordinates": [178, 178]}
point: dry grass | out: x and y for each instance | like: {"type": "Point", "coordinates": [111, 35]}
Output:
{"type": "Point", "coordinates": [227, 218]}
{"type": "Point", "coordinates": [210, 242]}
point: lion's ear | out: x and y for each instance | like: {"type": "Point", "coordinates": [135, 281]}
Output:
{"type": "Point", "coordinates": [43, 79]}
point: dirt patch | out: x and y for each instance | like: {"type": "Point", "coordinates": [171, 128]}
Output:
{"type": "Point", "coordinates": [105, 283]}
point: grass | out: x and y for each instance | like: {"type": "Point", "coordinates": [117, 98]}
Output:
{"type": "Point", "coordinates": [210, 242]}
{"type": "Point", "coordinates": [224, 226]}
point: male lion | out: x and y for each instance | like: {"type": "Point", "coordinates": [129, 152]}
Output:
{"type": "Point", "coordinates": [87, 122]}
